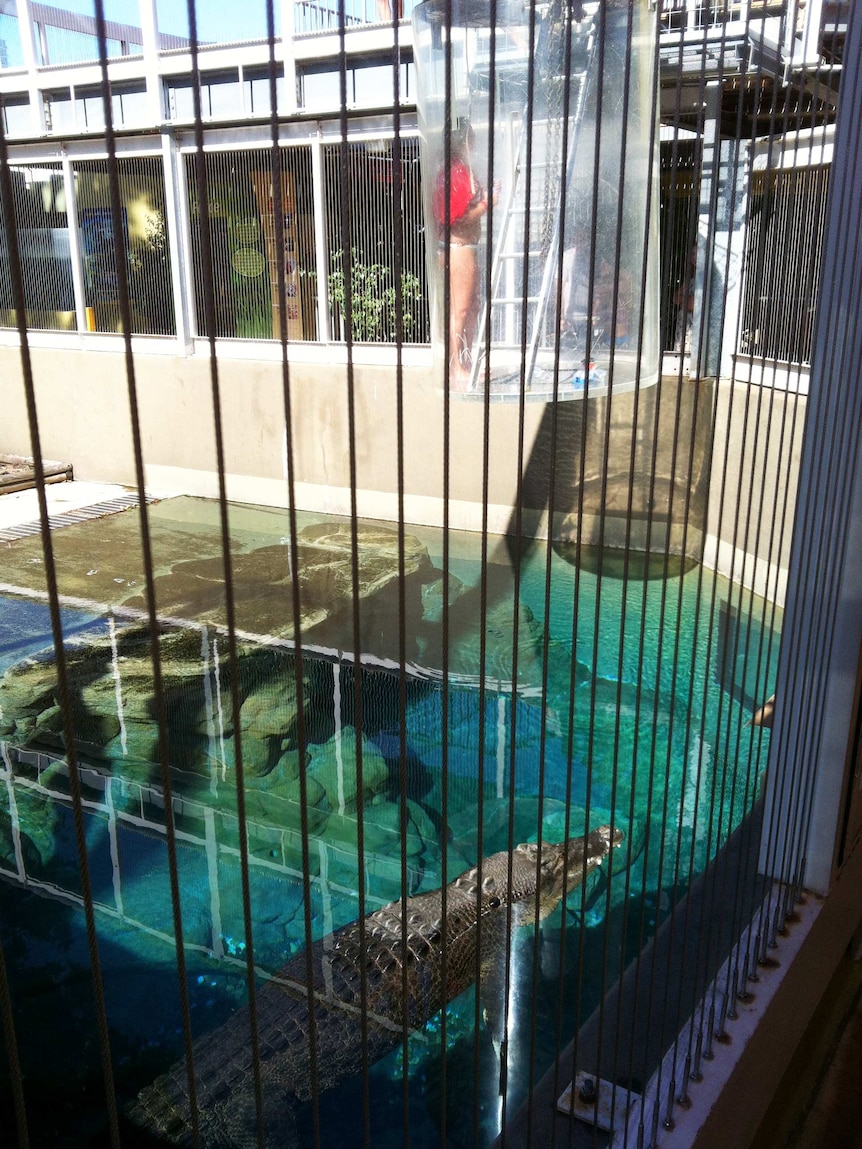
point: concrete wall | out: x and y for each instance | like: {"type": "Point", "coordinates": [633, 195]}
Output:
{"type": "Point", "coordinates": [752, 495]}
{"type": "Point", "coordinates": [646, 460]}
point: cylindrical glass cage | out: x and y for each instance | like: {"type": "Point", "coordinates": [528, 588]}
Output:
{"type": "Point", "coordinates": [538, 133]}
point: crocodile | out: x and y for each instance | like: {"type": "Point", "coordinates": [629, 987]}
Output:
{"type": "Point", "coordinates": [226, 1110]}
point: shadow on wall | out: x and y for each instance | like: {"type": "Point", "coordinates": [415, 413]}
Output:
{"type": "Point", "coordinates": [627, 472]}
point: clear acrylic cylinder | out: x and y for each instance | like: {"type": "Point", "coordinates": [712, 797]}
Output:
{"type": "Point", "coordinates": [538, 135]}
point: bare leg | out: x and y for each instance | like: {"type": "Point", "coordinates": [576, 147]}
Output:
{"type": "Point", "coordinates": [463, 311]}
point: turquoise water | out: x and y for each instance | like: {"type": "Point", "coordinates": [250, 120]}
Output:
{"type": "Point", "coordinates": [647, 731]}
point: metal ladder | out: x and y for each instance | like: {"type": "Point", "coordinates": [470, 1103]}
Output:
{"type": "Point", "coordinates": [510, 247]}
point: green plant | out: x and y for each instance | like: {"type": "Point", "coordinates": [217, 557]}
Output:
{"type": "Point", "coordinates": [373, 311]}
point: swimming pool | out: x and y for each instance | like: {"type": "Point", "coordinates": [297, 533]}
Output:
{"type": "Point", "coordinates": [625, 702]}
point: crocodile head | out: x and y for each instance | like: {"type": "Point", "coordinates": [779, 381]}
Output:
{"type": "Point", "coordinates": [564, 865]}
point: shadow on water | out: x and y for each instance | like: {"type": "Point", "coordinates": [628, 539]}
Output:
{"type": "Point", "coordinates": [47, 958]}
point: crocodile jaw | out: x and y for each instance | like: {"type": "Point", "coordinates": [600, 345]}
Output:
{"type": "Point", "coordinates": [565, 865]}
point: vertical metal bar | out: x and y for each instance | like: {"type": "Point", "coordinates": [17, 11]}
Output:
{"type": "Point", "coordinates": [75, 253]}
{"type": "Point", "coordinates": [9, 214]}
{"type": "Point", "coordinates": [483, 610]}
{"type": "Point", "coordinates": [733, 996]}
{"type": "Point", "coordinates": [445, 692]}
{"type": "Point", "coordinates": [710, 1032]}
{"type": "Point", "coordinates": [230, 605]}
{"type": "Point", "coordinates": [178, 238]}
{"type": "Point", "coordinates": [16, 1079]}
{"type": "Point", "coordinates": [669, 1122]}
{"type": "Point", "coordinates": [346, 238]}
{"type": "Point", "coordinates": [188, 257]}
{"type": "Point", "coordinates": [319, 199]}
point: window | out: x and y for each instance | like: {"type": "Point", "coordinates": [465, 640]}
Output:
{"type": "Point", "coordinates": [130, 104]}
{"type": "Point", "coordinates": [16, 116]}
{"type": "Point", "coordinates": [220, 97]}
{"type": "Point", "coordinates": [91, 111]}
{"type": "Point", "coordinates": [256, 92]}
{"type": "Point", "coordinates": [369, 85]}
{"type": "Point", "coordinates": [60, 112]}
{"type": "Point", "coordinates": [43, 243]}
{"type": "Point", "coordinates": [10, 42]}
{"type": "Point", "coordinates": [243, 245]}
{"type": "Point", "coordinates": [143, 243]}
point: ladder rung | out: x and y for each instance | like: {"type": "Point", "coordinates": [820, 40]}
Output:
{"type": "Point", "coordinates": [499, 301]}
{"type": "Point", "coordinates": [520, 254]}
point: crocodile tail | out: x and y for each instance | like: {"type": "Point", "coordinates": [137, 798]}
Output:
{"type": "Point", "coordinates": [163, 1117]}
{"type": "Point", "coordinates": [158, 1112]}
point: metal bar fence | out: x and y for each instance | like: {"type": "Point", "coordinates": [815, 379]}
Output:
{"type": "Point", "coordinates": [406, 826]}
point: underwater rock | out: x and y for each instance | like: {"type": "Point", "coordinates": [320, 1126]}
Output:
{"type": "Point", "coordinates": [502, 644]}
{"type": "Point", "coordinates": [259, 756]}
{"type": "Point", "coordinates": [384, 821]}
{"type": "Point", "coordinates": [333, 765]}
{"type": "Point", "coordinates": [270, 711]}
{"type": "Point", "coordinates": [326, 554]}
{"type": "Point", "coordinates": [49, 722]}
{"type": "Point", "coordinates": [262, 579]}
{"type": "Point", "coordinates": [26, 689]}
{"type": "Point", "coordinates": [382, 846]}
{"type": "Point", "coordinates": [279, 803]}
{"type": "Point", "coordinates": [113, 710]}
{"type": "Point", "coordinates": [432, 597]}
{"type": "Point", "coordinates": [262, 589]}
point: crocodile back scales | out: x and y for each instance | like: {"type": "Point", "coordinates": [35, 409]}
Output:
{"type": "Point", "coordinates": [227, 1114]}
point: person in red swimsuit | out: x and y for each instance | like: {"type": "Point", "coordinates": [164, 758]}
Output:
{"type": "Point", "coordinates": [468, 203]}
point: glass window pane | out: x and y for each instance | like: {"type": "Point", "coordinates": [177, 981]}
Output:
{"type": "Point", "coordinates": [217, 23]}
{"type": "Point", "coordinates": [224, 98]}
{"type": "Point", "coordinates": [94, 113]}
{"type": "Point", "coordinates": [372, 228]}
{"type": "Point", "coordinates": [181, 105]}
{"type": "Point", "coordinates": [373, 86]}
{"type": "Point", "coordinates": [60, 112]}
{"type": "Point", "coordinates": [42, 231]}
{"type": "Point", "coordinates": [10, 42]}
{"type": "Point", "coordinates": [323, 89]}
{"type": "Point", "coordinates": [243, 245]}
{"type": "Point", "coordinates": [257, 94]}
{"type": "Point", "coordinates": [17, 120]}
{"type": "Point", "coordinates": [130, 107]}
{"type": "Point", "coordinates": [64, 46]}
{"type": "Point", "coordinates": [67, 34]}
{"type": "Point", "coordinates": [143, 243]}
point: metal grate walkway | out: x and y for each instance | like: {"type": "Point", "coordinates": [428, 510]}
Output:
{"type": "Point", "coordinates": [68, 518]}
